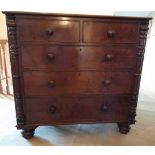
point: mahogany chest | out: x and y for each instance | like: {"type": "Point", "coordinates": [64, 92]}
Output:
{"type": "Point", "coordinates": [70, 69]}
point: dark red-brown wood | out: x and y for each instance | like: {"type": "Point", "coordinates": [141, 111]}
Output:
{"type": "Point", "coordinates": [65, 110]}
{"type": "Point", "coordinates": [49, 30]}
{"type": "Point", "coordinates": [38, 83]}
{"type": "Point", "coordinates": [110, 32]}
{"type": "Point", "coordinates": [71, 58]}
{"type": "Point", "coordinates": [71, 69]}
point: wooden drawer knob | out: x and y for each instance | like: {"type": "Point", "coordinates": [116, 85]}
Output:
{"type": "Point", "coordinates": [50, 56]}
{"type": "Point", "coordinates": [51, 83]}
{"type": "Point", "coordinates": [49, 31]}
{"type": "Point", "coordinates": [109, 57]}
{"type": "Point", "coordinates": [106, 83]}
{"type": "Point", "coordinates": [52, 109]}
{"type": "Point", "coordinates": [104, 108]}
{"type": "Point", "coordinates": [111, 33]}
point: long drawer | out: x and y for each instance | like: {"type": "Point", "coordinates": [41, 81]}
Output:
{"type": "Point", "coordinates": [62, 58]}
{"type": "Point", "coordinates": [57, 83]}
{"type": "Point", "coordinates": [76, 109]}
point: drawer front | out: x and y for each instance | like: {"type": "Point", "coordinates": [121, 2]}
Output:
{"type": "Point", "coordinates": [77, 57]}
{"type": "Point", "coordinates": [57, 83]}
{"type": "Point", "coordinates": [103, 32]}
{"type": "Point", "coordinates": [48, 30]}
{"type": "Point", "coordinates": [76, 109]}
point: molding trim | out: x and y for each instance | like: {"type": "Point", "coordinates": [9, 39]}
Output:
{"type": "Point", "coordinates": [137, 72]}
{"type": "Point", "coordinates": [13, 49]}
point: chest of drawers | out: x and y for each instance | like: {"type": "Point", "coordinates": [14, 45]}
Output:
{"type": "Point", "coordinates": [70, 69]}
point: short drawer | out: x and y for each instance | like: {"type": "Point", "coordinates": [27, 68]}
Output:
{"type": "Point", "coordinates": [110, 32]}
{"type": "Point", "coordinates": [76, 109]}
{"type": "Point", "coordinates": [57, 83]}
{"type": "Point", "coordinates": [48, 30]}
{"type": "Point", "coordinates": [62, 58]}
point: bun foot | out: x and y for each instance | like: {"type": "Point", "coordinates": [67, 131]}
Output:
{"type": "Point", "coordinates": [28, 133]}
{"type": "Point", "coordinates": [124, 128]}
